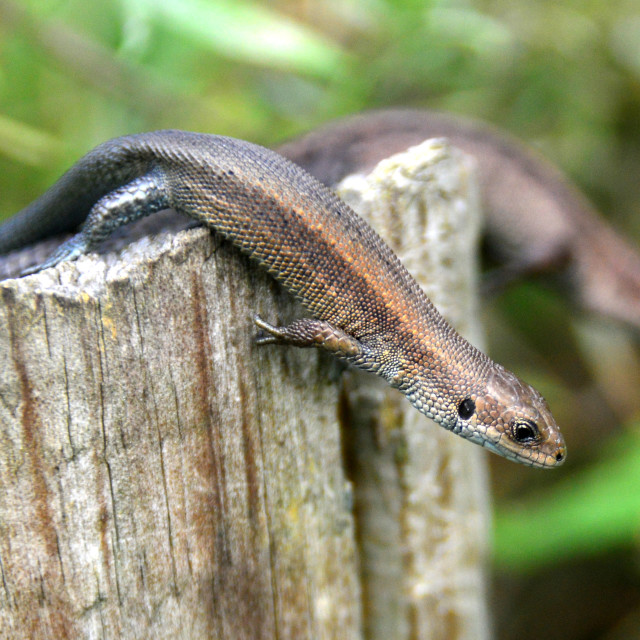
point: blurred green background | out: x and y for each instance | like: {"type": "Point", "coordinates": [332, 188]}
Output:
{"type": "Point", "coordinates": [564, 76]}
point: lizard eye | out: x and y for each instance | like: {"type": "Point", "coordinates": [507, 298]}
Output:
{"type": "Point", "coordinates": [524, 431]}
{"type": "Point", "coordinates": [466, 408]}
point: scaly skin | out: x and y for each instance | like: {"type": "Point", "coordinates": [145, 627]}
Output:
{"type": "Point", "coordinates": [366, 307]}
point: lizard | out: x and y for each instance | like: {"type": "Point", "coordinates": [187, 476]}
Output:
{"type": "Point", "coordinates": [366, 308]}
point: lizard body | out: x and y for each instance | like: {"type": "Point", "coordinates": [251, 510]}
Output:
{"type": "Point", "coordinates": [366, 308]}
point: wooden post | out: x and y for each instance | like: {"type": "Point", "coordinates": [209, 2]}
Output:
{"type": "Point", "coordinates": [163, 477]}
{"type": "Point", "coordinates": [421, 493]}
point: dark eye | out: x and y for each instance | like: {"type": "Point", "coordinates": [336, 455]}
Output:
{"type": "Point", "coordinates": [466, 408]}
{"type": "Point", "coordinates": [524, 431]}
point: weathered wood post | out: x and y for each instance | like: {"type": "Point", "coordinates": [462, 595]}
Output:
{"type": "Point", "coordinates": [163, 477]}
{"type": "Point", "coordinates": [421, 493]}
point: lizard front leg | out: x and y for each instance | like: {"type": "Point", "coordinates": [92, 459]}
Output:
{"type": "Point", "coordinates": [309, 332]}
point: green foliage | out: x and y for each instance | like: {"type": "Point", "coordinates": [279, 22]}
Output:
{"type": "Point", "coordinates": [246, 32]}
{"type": "Point", "coordinates": [562, 73]}
{"type": "Point", "coordinates": [592, 512]}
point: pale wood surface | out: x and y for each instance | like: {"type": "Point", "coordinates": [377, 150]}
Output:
{"type": "Point", "coordinates": [421, 492]}
{"type": "Point", "coordinates": [163, 477]}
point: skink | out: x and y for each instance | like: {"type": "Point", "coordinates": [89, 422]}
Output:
{"type": "Point", "coordinates": [367, 310]}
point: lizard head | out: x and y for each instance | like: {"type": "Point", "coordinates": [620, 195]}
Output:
{"type": "Point", "coordinates": [482, 402]}
{"type": "Point", "coordinates": [510, 418]}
